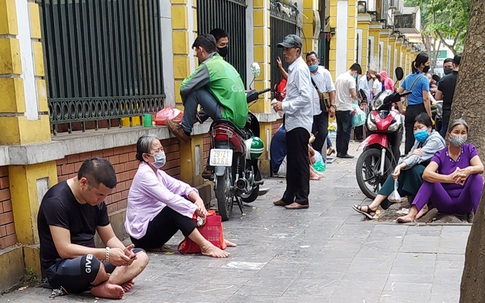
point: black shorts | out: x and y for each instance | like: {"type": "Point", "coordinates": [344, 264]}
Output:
{"type": "Point", "coordinates": [75, 275]}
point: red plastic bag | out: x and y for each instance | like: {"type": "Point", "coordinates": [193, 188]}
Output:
{"type": "Point", "coordinates": [212, 231]}
{"type": "Point", "coordinates": [168, 113]}
{"type": "Point", "coordinates": [280, 90]}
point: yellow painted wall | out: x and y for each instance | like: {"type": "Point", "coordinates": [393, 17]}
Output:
{"type": "Point", "coordinates": [25, 200]}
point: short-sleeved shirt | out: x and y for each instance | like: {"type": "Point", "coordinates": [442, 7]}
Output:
{"type": "Point", "coordinates": [447, 87]}
{"type": "Point", "coordinates": [323, 80]}
{"type": "Point", "coordinates": [446, 165]}
{"type": "Point", "coordinates": [343, 84]}
{"type": "Point", "coordinates": [416, 96]}
{"type": "Point", "coordinates": [60, 208]}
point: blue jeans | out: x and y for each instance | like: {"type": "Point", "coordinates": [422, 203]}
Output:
{"type": "Point", "coordinates": [211, 107]}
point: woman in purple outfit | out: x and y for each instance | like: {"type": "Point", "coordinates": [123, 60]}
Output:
{"type": "Point", "coordinates": [453, 180]}
{"type": "Point", "coordinates": [160, 205]}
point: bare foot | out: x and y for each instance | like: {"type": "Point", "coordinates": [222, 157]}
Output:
{"type": "Point", "coordinates": [212, 251]}
{"type": "Point", "coordinates": [405, 219]}
{"type": "Point", "coordinates": [128, 285]}
{"type": "Point", "coordinates": [229, 243]}
{"type": "Point", "coordinates": [422, 212]}
{"type": "Point", "coordinates": [108, 290]}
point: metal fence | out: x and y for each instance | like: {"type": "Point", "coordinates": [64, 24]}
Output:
{"type": "Point", "coordinates": [103, 61]}
{"type": "Point", "coordinates": [230, 15]}
{"type": "Point", "coordinates": [281, 25]}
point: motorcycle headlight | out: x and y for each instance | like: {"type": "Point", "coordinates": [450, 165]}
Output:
{"type": "Point", "coordinates": [370, 124]}
{"type": "Point", "coordinates": [396, 124]}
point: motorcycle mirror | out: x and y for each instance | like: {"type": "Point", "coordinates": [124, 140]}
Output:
{"type": "Point", "coordinates": [255, 69]}
{"type": "Point", "coordinates": [399, 73]}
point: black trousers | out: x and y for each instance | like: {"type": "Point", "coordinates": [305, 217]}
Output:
{"type": "Point", "coordinates": [320, 130]}
{"type": "Point", "coordinates": [163, 227]}
{"type": "Point", "coordinates": [411, 112]}
{"type": "Point", "coordinates": [297, 167]}
{"type": "Point", "coordinates": [344, 127]}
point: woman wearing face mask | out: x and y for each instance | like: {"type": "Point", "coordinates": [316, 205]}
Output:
{"type": "Point", "coordinates": [410, 168]}
{"type": "Point", "coordinates": [160, 205]}
{"type": "Point", "coordinates": [419, 100]}
{"type": "Point", "coordinates": [453, 180]}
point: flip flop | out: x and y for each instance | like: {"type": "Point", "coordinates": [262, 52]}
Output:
{"type": "Point", "coordinates": [368, 213]}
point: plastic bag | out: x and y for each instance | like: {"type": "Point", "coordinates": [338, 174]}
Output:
{"type": "Point", "coordinates": [319, 165]}
{"type": "Point", "coordinates": [358, 119]}
{"type": "Point", "coordinates": [394, 196]}
{"type": "Point", "coordinates": [212, 230]}
{"type": "Point", "coordinates": [280, 90]}
{"type": "Point", "coordinates": [168, 113]}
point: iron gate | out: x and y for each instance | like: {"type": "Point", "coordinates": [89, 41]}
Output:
{"type": "Point", "coordinates": [103, 61]}
{"type": "Point", "coordinates": [282, 24]}
{"type": "Point", "coordinates": [230, 15]}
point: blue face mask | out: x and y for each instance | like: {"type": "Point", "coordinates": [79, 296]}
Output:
{"type": "Point", "coordinates": [355, 76]}
{"type": "Point", "coordinates": [160, 159]}
{"type": "Point", "coordinates": [421, 135]}
{"type": "Point", "coordinates": [313, 67]}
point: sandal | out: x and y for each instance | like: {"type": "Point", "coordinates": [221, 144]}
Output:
{"type": "Point", "coordinates": [330, 151]}
{"type": "Point", "coordinates": [369, 213]}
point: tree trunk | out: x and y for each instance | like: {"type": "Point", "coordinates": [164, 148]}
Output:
{"type": "Point", "coordinates": [468, 102]}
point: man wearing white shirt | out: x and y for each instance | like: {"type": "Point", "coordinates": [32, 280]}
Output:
{"type": "Point", "coordinates": [345, 97]}
{"type": "Point", "coordinates": [365, 83]}
{"type": "Point", "coordinates": [322, 79]}
{"type": "Point", "coordinates": [298, 110]}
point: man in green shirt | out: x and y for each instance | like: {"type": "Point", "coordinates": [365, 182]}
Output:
{"type": "Point", "coordinates": [215, 85]}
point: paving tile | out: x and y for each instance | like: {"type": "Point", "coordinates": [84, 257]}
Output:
{"type": "Point", "coordinates": [326, 254]}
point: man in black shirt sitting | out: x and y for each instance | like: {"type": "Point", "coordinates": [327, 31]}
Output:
{"type": "Point", "coordinates": [70, 214]}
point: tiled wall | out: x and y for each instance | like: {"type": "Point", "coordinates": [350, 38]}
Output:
{"type": "Point", "coordinates": [7, 228]}
{"type": "Point", "coordinates": [125, 165]}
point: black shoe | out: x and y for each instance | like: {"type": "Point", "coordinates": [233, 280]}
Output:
{"type": "Point", "coordinates": [346, 156]}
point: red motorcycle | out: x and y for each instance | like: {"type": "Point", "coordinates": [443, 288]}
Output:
{"type": "Point", "coordinates": [381, 147]}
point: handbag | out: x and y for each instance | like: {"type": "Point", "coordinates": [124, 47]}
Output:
{"type": "Point", "coordinates": [324, 99]}
{"type": "Point", "coordinates": [212, 231]}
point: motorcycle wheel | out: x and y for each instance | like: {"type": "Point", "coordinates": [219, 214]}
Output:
{"type": "Point", "coordinates": [224, 194]}
{"type": "Point", "coordinates": [367, 172]}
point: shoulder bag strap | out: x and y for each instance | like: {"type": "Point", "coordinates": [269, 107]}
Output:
{"type": "Point", "coordinates": [411, 89]}
{"type": "Point", "coordinates": [314, 84]}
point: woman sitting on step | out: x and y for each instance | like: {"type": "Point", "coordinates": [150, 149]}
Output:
{"type": "Point", "coordinates": [410, 168]}
{"type": "Point", "coordinates": [452, 181]}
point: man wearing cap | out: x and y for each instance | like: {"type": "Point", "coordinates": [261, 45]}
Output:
{"type": "Point", "coordinates": [298, 110]}
{"type": "Point", "coordinates": [215, 85]}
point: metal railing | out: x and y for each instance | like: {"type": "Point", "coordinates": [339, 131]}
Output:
{"type": "Point", "coordinates": [281, 25]}
{"type": "Point", "coordinates": [230, 15]}
{"type": "Point", "coordinates": [103, 61]}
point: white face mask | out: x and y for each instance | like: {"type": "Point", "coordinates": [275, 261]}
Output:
{"type": "Point", "coordinates": [160, 159]}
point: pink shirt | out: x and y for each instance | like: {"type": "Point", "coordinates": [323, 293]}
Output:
{"type": "Point", "coordinates": [149, 194]}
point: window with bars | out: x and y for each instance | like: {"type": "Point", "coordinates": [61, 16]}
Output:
{"type": "Point", "coordinates": [103, 61]}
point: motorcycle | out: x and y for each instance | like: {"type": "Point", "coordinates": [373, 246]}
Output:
{"type": "Point", "coordinates": [234, 154]}
{"type": "Point", "coordinates": [381, 147]}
